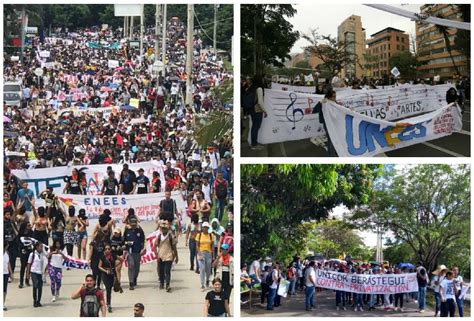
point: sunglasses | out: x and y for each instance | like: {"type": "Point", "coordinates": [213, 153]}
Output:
{"type": "Point", "coordinates": [107, 248]}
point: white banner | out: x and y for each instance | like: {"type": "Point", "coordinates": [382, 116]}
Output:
{"type": "Point", "coordinates": [146, 206]}
{"type": "Point", "coordinates": [45, 54]}
{"type": "Point", "coordinates": [296, 89]}
{"type": "Point", "coordinates": [367, 283]}
{"type": "Point", "coordinates": [39, 179]}
{"type": "Point", "coordinates": [106, 111]}
{"type": "Point", "coordinates": [113, 63]}
{"type": "Point", "coordinates": [353, 134]}
{"type": "Point", "coordinates": [289, 117]}
{"type": "Point", "coordinates": [396, 102]}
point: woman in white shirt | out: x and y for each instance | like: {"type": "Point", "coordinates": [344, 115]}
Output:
{"type": "Point", "coordinates": [448, 290]}
{"type": "Point", "coordinates": [55, 263]}
{"type": "Point", "coordinates": [438, 277]}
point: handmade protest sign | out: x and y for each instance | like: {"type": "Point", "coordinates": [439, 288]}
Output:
{"type": "Point", "coordinates": [146, 206]}
{"type": "Point", "coordinates": [367, 283]}
{"type": "Point", "coordinates": [354, 134]}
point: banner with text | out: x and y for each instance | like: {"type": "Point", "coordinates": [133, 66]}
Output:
{"type": "Point", "coordinates": [146, 206]}
{"type": "Point", "coordinates": [354, 134]}
{"type": "Point", "coordinates": [367, 283]}
{"type": "Point", "coordinates": [39, 179]}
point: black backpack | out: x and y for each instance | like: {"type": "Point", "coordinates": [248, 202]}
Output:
{"type": "Point", "coordinates": [269, 279]}
{"type": "Point", "coordinates": [90, 303]}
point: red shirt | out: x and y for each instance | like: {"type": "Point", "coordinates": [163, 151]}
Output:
{"type": "Point", "coordinates": [100, 296]}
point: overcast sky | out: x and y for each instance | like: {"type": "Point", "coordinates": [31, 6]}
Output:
{"type": "Point", "coordinates": [328, 17]}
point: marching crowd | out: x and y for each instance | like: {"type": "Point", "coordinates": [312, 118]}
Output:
{"type": "Point", "coordinates": [82, 112]}
{"type": "Point", "coordinates": [300, 279]}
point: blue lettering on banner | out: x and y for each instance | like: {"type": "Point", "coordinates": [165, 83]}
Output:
{"type": "Point", "coordinates": [105, 201]}
{"type": "Point", "coordinates": [39, 184]}
{"type": "Point", "coordinates": [369, 133]}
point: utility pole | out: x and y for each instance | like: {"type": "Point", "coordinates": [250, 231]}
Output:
{"type": "Point", "coordinates": [142, 27]}
{"type": "Point", "coordinates": [157, 29]}
{"type": "Point", "coordinates": [214, 45]}
{"type": "Point", "coordinates": [163, 41]}
{"type": "Point", "coordinates": [23, 27]}
{"type": "Point", "coordinates": [131, 27]}
{"type": "Point", "coordinates": [189, 53]}
{"type": "Point", "coordinates": [125, 18]}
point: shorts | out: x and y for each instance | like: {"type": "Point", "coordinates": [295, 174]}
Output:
{"type": "Point", "coordinates": [82, 235]}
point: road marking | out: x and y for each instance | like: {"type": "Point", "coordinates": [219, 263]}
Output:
{"type": "Point", "coordinates": [465, 132]}
{"type": "Point", "coordinates": [282, 149]}
{"type": "Point", "coordinates": [444, 150]}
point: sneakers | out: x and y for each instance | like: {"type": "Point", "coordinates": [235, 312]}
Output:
{"type": "Point", "coordinates": [257, 147]}
{"type": "Point", "coordinates": [191, 269]}
{"type": "Point", "coordinates": [109, 309]}
{"type": "Point", "coordinates": [422, 311]}
{"type": "Point", "coordinates": [53, 299]}
{"type": "Point", "coordinates": [168, 289]}
{"type": "Point", "coordinates": [344, 308]}
{"type": "Point", "coordinates": [207, 284]}
{"type": "Point", "coordinates": [131, 288]}
{"type": "Point", "coordinates": [5, 308]}
{"type": "Point", "coordinates": [21, 286]}
{"type": "Point", "coordinates": [361, 309]}
{"type": "Point", "coordinates": [203, 288]}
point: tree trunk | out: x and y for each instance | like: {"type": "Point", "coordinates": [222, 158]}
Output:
{"type": "Point", "coordinates": [448, 46]}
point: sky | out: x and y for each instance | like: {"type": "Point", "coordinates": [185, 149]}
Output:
{"type": "Point", "coordinates": [328, 17]}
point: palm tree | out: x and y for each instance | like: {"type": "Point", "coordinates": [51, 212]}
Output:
{"type": "Point", "coordinates": [445, 32]}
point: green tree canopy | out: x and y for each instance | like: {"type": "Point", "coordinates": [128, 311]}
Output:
{"type": "Point", "coordinates": [406, 63]}
{"type": "Point", "coordinates": [266, 36]}
{"type": "Point", "coordinates": [277, 199]}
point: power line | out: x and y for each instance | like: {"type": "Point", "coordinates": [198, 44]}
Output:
{"type": "Point", "coordinates": [204, 31]}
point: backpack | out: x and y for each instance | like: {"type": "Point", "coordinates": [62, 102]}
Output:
{"type": "Point", "coordinates": [291, 274]}
{"type": "Point", "coordinates": [90, 304]}
{"type": "Point", "coordinates": [249, 99]}
{"type": "Point", "coordinates": [269, 279]}
{"type": "Point", "coordinates": [221, 190]}
{"type": "Point", "coordinates": [229, 239]}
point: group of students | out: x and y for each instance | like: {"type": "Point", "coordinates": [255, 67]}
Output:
{"type": "Point", "coordinates": [447, 285]}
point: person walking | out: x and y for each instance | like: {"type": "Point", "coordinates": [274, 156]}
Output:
{"type": "Point", "coordinates": [204, 242]}
{"type": "Point", "coordinates": [107, 270]}
{"type": "Point", "coordinates": [55, 263]}
{"type": "Point", "coordinates": [92, 298]}
{"type": "Point", "coordinates": [96, 250]}
{"type": "Point", "coordinates": [37, 265]}
{"type": "Point", "coordinates": [192, 230]}
{"type": "Point", "coordinates": [274, 281]}
{"type": "Point", "coordinates": [258, 112]}
{"type": "Point", "coordinates": [423, 280]}
{"type": "Point", "coordinates": [458, 280]}
{"type": "Point", "coordinates": [224, 265]}
{"type": "Point", "coordinates": [448, 290]}
{"type": "Point", "coordinates": [134, 238]}
{"type": "Point", "coordinates": [7, 273]}
{"type": "Point", "coordinates": [26, 230]}
{"type": "Point", "coordinates": [166, 251]}
{"type": "Point", "coordinates": [438, 276]}
{"type": "Point", "coordinates": [217, 301]}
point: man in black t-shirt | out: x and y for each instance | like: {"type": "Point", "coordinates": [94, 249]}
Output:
{"type": "Point", "coordinates": [167, 208]}
{"type": "Point", "coordinates": [142, 182]}
{"type": "Point", "coordinates": [127, 181]}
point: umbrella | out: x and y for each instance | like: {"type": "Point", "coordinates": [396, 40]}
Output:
{"type": "Point", "coordinates": [128, 108]}
{"type": "Point", "coordinates": [6, 119]}
{"type": "Point", "coordinates": [374, 262]}
{"type": "Point", "coordinates": [106, 89]}
{"type": "Point", "coordinates": [406, 266]}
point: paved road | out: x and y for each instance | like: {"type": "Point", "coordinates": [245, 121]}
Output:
{"type": "Point", "coordinates": [186, 298]}
{"type": "Point", "coordinates": [456, 145]}
{"type": "Point", "coordinates": [325, 307]}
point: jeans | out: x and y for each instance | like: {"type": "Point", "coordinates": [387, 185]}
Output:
{"type": "Point", "coordinates": [133, 260]}
{"type": "Point", "coordinates": [438, 302]}
{"type": "Point", "coordinates": [460, 304]}
{"type": "Point", "coordinates": [220, 205]}
{"type": "Point", "coordinates": [291, 289]}
{"type": "Point", "coordinates": [193, 253]}
{"type": "Point", "coordinates": [309, 292]}
{"type": "Point", "coordinates": [165, 272]}
{"type": "Point", "coordinates": [271, 298]}
{"type": "Point", "coordinates": [421, 297]}
{"type": "Point", "coordinates": [37, 286]}
{"type": "Point", "coordinates": [205, 266]}
{"type": "Point", "coordinates": [13, 253]}
{"type": "Point", "coordinates": [448, 308]}
{"type": "Point", "coordinates": [358, 300]}
{"type": "Point", "coordinates": [109, 284]}
{"type": "Point", "coordinates": [257, 119]}
{"type": "Point", "coordinates": [340, 298]}
{"type": "Point", "coordinates": [399, 298]}
{"type": "Point", "coordinates": [5, 284]}
{"type": "Point", "coordinates": [265, 290]}
{"type": "Point", "coordinates": [372, 300]}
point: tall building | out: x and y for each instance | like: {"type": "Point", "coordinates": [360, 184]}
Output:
{"type": "Point", "coordinates": [431, 46]}
{"type": "Point", "coordinates": [304, 56]}
{"type": "Point", "coordinates": [381, 46]}
{"type": "Point", "coordinates": [351, 33]}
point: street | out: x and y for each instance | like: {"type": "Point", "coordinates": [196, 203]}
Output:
{"type": "Point", "coordinates": [456, 145]}
{"type": "Point", "coordinates": [325, 307]}
{"type": "Point", "coordinates": [185, 299]}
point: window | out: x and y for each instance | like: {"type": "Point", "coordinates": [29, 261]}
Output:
{"type": "Point", "coordinates": [388, 46]}
{"type": "Point", "coordinates": [403, 39]}
{"type": "Point", "coordinates": [398, 47]}
{"type": "Point", "coordinates": [403, 47]}
{"type": "Point", "coordinates": [398, 38]}
{"type": "Point", "coordinates": [389, 55]}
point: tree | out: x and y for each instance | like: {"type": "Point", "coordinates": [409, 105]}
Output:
{"type": "Point", "coordinates": [335, 55]}
{"type": "Point", "coordinates": [276, 199]}
{"type": "Point", "coordinates": [406, 63]}
{"type": "Point", "coordinates": [299, 68]}
{"type": "Point", "coordinates": [462, 39]}
{"type": "Point", "coordinates": [425, 206]}
{"type": "Point", "coordinates": [371, 62]}
{"type": "Point", "coordinates": [266, 36]}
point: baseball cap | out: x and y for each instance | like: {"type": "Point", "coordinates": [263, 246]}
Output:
{"type": "Point", "coordinates": [225, 247]}
{"type": "Point", "coordinates": [205, 224]}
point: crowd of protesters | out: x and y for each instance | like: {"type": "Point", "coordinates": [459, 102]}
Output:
{"type": "Point", "coordinates": [265, 275]}
{"type": "Point", "coordinates": [99, 101]}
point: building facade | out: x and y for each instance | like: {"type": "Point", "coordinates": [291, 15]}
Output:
{"type": "Point", "coordinates": [381, 46]}
{"type": "Point", "coordinates": [351, 33]}
{"type": "Point", "coordinates": [431, 46]}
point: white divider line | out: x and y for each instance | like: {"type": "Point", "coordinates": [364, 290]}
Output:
{"type": "Point", "coordinates": [444, 150]}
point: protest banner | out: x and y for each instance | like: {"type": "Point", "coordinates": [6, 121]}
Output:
{"type": "Point", "coordinates": [283, 288]}
{"type": "Point", "coordinates": [146, 206]}
{"type": "Point", "coordinates": [39, 179]}
{"type": "Point", "coordinates": [296, 89]}
{"type": "Point", "coordinates": [106, 111]}
{"type": "Point", "coordinates": [367, 283]}
{"type": "Point", "coordinates": [149, 255]}
{"type": "Point", "coordinates": [134, 102]}
{"type": "Point", "coordinates": [354, 134]}
{"type": "Point", "coordinates": [45, 54]}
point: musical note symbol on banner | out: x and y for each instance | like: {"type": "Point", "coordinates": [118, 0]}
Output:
{"type": "Point", "coordinates": [294, 111]}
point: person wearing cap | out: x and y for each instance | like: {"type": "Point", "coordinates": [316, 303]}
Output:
{"type": "Point", "coordinates": [224, 265]}
{"type": "Point", "coordinates": [438, 276]}
{"type": "Point", "coordinates": [227, 237]}
{"type": "Point", "coordinates": [143, 182]}
{"type": "Point", "coordinates": [134, 238]}
{"type": "Point", "coordinates": [204, 241]}
{"type": "Point", "coordinates": [166, 252]}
